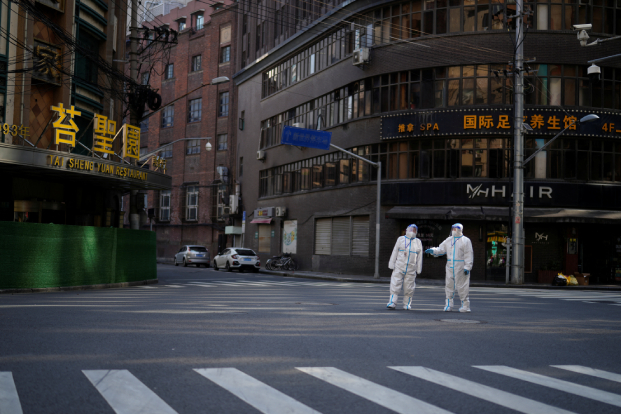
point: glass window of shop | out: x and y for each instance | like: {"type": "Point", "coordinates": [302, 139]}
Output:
{"type": "Point", "coordinates": [496, 251]}
{"type": "Point", "coordinates": [449, 158]}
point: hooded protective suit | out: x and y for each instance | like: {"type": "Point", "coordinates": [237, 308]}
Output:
{"type": "Point", "coordinates": [406, 261]}
{"type": "Point", "coordinates": [459, 254]}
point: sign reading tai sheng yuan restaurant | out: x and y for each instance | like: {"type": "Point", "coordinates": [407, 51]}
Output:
{"type": "Point", "coordinates": [488, 121]}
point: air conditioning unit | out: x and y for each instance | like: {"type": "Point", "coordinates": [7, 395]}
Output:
{"type": "Point", "coordinates": [281, 211]}
{"type": "Point", "coordinates": [261, 155]}
{"type": "Point", "coordinates": [361, 56]}
{"type": "Point", "coordinates": [226, 210]}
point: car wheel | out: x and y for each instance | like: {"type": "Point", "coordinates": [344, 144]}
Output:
{"type": "Point", "coordinates": [215, 265]}
{"type": "Point", "coordinates": [228, 267]}
{"type": "Point", "coordinates": [185, 264]}
{"type": "Point", "coordinates": [198, 265]}
{"type": "Point", "coordinates": [255, 270]}
{"type": "Point", "coordinates": [175, 260]}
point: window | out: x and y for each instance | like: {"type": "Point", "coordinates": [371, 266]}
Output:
{"type": "Point", "coordinates": [170, 71]}
{"type": "Point", "coordinates": [225, 54]}
{"type": "Point", "coordinates": [191, 207]}
{"type": "Point", "coordinates": [167, 152]}
{"type": "Point", "coordinates": [144, 124]}
{"type": "Point", "coordinates": [181, 23]}
{"type": "Point", "coordinates": [144, 78]}
{"type": "Point", "coordinates": [165, 205]}
{"type": "Point", "coordinates": [194, 110]}
{"type": "Point", "coordinates": [143, 152]}
{"type": "Point", "coordinates": [222, 142]}
{"type": "Point", "coordinates": [196, 63]}
{"type": "Point", "coordinates": [167, 116]}
{"type": "Point", "coordinates": [193, 147]}
{"type": "Point", "coordinates": [241, 166]}
{"type": "Point", "coordinates": [200, 21]}
{"type": "Point", "coordinates": [342, 236]}
{"type": "Point", "coordinates": [224, 104]}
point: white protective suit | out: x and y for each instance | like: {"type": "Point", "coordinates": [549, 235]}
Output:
{"type": "Point", "coordinates": [459, 255]}
{"type": "Point", "coordinates": [406, 261]}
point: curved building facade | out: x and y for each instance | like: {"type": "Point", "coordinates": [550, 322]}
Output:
{"type": "Point", "coordinates": [434, 103]}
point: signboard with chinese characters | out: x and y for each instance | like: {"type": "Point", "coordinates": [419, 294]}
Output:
{"type": "Point", "coordinates": [499, 121]}
{"type": "Point", "coordinates": [65, 127]}
{"type": "Point", "coordinates": [47, 62]}
{"type": "Point", "coordinates": [131, 141]}
{"type": "Point", "coordinates": [309, 138]}
{"type": "Point", "coordinates": [103, 134]}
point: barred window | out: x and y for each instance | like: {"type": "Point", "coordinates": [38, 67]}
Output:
{"type": "Point", "coordinates": [170, 71]}
{"type": "Point", "coordinates": [200, 21]}
{"type": "Point", "coordinates": [191, 212]}
{"type": "Point", "coordinates": [222, 142]}
{"type": "Point", "coordinates": [167, 152]}
{"type": "Point", "coordinates": [194, 110]}
{"type": "Point", "coordinates": [167, 116]}
{"type": "Point", "coordinates": [144, 78]}
{"type": "Point", "coordinates": [225, 54]}
{"type": "Point", "coordinates": [165, 205]}
{"type": "Point", "coordinates": [196, 63]}
{"type": "Point", "coordinates": [224, 104]}
{"type": "Point", "coordinates": [193, 146]}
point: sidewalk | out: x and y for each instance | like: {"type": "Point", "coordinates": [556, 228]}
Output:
{"type": "Point", "coordinates": [430, 282]}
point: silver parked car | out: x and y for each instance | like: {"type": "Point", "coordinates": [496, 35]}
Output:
{"type": "Point", "coordinates": [238, 258]}
{"type": "Point", "coordinates": [190, 254]}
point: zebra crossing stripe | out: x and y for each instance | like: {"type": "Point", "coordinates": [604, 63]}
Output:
{"type": "Point", "coordinates": [126, 394]}
{"type": "Point", "coordinates": [581, 390]}
{"type": "Point", "coordinates": [259, 395]}
{"type": "Point", "coordinates": [376, 393]}
{"type": "Point", "coordinates": [9, 400]}
{"type": "Point", "coordinates": [505, 399]}
{"type": "Point", "coordinates": [590, 371]}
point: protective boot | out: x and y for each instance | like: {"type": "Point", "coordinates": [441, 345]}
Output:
{"type": "Point", "coordinates": [448, 306]}
{"type": "Point", "coordinates": [465, 306]}
{"type": "Point", "coordinates": [407, 302]}
{"type": "Point", "coordinates": [392, 304]}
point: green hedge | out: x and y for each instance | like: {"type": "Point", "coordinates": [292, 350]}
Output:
{"type": "Point", "coordinates": [51, 255]}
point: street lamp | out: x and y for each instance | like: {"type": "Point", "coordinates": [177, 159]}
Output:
{"type": "Point", "coordinates": [517, 270]}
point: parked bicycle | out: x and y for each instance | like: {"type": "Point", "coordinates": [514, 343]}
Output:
{"type": "Point", "coordinates": [284, 262]}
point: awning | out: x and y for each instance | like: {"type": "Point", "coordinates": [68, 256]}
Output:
{"type": "Point", "coordinates": [261, 221]}
{"type": "Point", "coordinates": [534, 215]}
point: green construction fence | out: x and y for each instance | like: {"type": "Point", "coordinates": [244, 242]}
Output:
{"type": "Point", "coordinates": [50, 255]}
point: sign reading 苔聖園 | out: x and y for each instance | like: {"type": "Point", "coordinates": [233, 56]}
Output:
{"type": "Point", "coordinates": [496, 121]}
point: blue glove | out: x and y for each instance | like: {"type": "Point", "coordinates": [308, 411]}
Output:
{"type": "Point", "coordinates": [466, 272]}
{"type": "Point", "coordinates": [430, 251]}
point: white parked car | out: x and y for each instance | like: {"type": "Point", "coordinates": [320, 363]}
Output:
{"type": "Point", "coordinates": [191, 254]}
{"type": "Point", "coordinates": [238, 258]}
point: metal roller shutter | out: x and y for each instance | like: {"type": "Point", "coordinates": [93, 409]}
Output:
{"type": "Point", "coordinates": [360, 242]}
{"type": "Point", "coordinates": [323, 235]}
{"type": "Point", "coordinates": [265, 239]}
{"type": "Point", "coordinates": [340, 236]}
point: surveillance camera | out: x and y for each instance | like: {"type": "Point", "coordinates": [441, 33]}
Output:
{"type": "Point", "coordinates": [583, 26]}
{"type": "Point", "coordinates": [208, 146]}
{"type": "Point", "coordinates": [583, 37]}
{"type": "Point", "coordinates": [594, 72]}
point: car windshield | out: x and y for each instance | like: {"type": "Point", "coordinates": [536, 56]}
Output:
{"type": "Point", "coordinates": [198, 249]}
{"type": "Point", "coordinates": [245, 252]}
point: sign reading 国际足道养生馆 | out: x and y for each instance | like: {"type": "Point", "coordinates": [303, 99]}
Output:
{"type": "Point", "coordinates": [309, 138]}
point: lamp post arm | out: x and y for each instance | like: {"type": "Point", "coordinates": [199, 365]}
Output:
{"type": "Point", "coordinates": [547, 143]}
{"type": "Point", "coordinates": [375, 164]}
{"type": "Point", "coordinates": [152, 153]}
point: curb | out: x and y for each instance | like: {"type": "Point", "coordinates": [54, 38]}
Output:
{"type": "Point", "coordinates": [81, 287]}
{"type": "Point", "coordinates": [441, 282]}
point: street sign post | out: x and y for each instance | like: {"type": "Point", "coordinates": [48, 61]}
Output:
{"type": "Point", "coordinates": [311, 138]}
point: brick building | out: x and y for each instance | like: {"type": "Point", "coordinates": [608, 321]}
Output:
{"type": "Point", "coordinates": [421, 87]}
{"type": "Point", "coordinates": [196, 210]}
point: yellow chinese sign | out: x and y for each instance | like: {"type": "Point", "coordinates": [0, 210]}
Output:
{"type": "Point", "coordinates": [99, 167]}
{"type": "Point", "coordinates": [159, 163]}
{"type": "Point", "coordinates": [103, 134]}
{"type": "Point", "coordinates": [47, 62]}
{"type": "Point", "coordinates": [15, 130]}
{"type": "Point", "coordinates": [65, 126]}
{"type": "Point", "coordinates": [131, 141]}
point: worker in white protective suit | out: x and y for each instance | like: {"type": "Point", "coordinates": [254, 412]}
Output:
{"type": "Point", "coordinates": [406, 261]}
{"type": "Point", "coordinates": [459, 254]}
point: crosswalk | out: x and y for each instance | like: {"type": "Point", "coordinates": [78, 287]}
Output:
{"type": "Point", "coordinates": [258, 284]}
{"type": "Point", "coordinates": [126, 394]}
{"type": "Point", "coordinates": [600, 297]}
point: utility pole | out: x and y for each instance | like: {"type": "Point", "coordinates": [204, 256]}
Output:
{"type": "Point", "coordinates": [517, 269]}
{"type": "Point", "coordinates": [134, 117]}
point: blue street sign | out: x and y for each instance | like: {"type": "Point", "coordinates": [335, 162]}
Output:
{"type": "Point", "coordinates": [306, 137]}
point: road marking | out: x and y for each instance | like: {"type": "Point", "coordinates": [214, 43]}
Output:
{"type": "Point", "coordinates": [505, 399]}
{"type": "Point", "coordinates": [581, 390]}
{"type": "Point", "coordinates": [376, 393]}
{"type": "Point", "coordinates": [9, 400]}
{"type": "Point", "coordinates": [146, 287]}
{"type": "Point", "coordinates": [259, 395]}
{"type": "Point", "coordinates": [126, 394]}
{"type": "Point", "coordinates": [590, 371]}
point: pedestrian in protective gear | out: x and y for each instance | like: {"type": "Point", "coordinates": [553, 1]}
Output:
{"type": "Point", "coordinates": [459, 254]}
{"type": "Point", "coordinates": [406, 261]}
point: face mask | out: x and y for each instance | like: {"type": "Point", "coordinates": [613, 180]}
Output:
{"type": "Point", "coordinates": [410, 234]}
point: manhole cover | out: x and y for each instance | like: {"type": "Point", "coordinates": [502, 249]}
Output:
{"type": "Point", "coordinates": [459, 321]}
{"type": "Point", "coordinates": [315, 303]}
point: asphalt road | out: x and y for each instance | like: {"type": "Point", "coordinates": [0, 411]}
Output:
{"type": "Point", "coordinates": [204, 341]}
